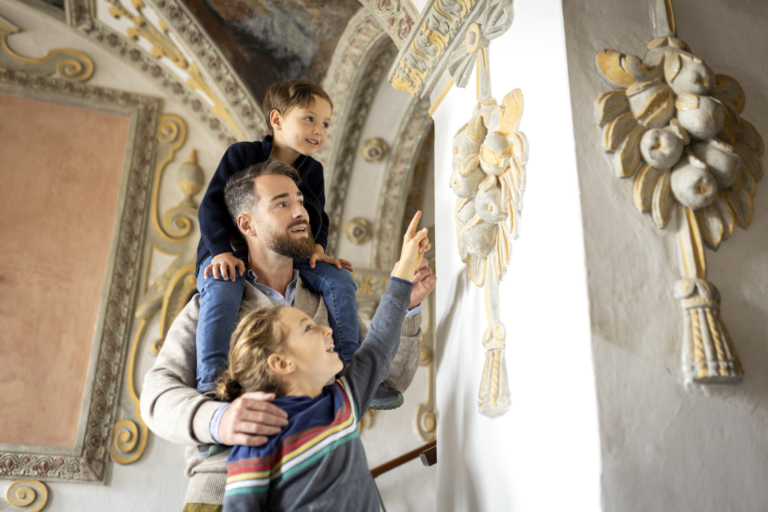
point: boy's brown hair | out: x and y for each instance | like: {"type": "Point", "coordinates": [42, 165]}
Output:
{"type": "Point", "coordinates": [284, 96]}
{"type": "Point", "coordinates": [257, 336]}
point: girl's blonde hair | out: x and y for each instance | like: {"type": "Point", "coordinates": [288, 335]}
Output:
{"type": "Point", "coordinates": [257, 336]}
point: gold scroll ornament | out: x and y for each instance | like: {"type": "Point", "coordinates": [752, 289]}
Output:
{"type": "Point", "coordinates": [489, 157]}
{"type": "Point", "coordinates": [677, 128]}
{"type": "Point", "coordinates": [71, 65]}
{"type": "Point", "coordinates": [24, 493]}
{"type": "Point", "coordinates": [174, 233]}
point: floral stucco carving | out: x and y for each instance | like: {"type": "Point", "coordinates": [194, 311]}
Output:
{"type": "Point", "coordinates": [358, 231]}
{"type": "Point", "coordinates": [374, 150]}
{"type": "Point", "coordinates": [676, 127]}
{"type": "Point", "coordinates": [88, 462]}
{"type": "Point", "coordinates": [395, 16]}
{"type": "Point", "coordinates": [437, 43]}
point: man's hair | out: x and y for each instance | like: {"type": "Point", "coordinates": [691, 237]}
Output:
{"type": "Point", "coordinates": [285, 96]}
{"type": "Point", "coordinates": [257, 336]}
{"type": "Point", "coordinates": [240, 191]}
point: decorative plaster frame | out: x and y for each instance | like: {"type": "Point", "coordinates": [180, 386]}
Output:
{"type": "Point", "coordinates": [677, 128]}
{"type": "Point", "coordinates": [86, 462]}
{"type": "Point", "coordinates": [413, 131]}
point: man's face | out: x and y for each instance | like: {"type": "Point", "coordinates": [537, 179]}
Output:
{"type": "Point", "coordinates": [281, 222]}
{"type": "Point", "coordinates": [305, 129]}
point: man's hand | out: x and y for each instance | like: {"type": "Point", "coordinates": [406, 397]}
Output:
{"type": "Point", "coordinates": [250, 419]}
{"type": "Point", "coordinates": [225, 266]}
{"type": "Point", "coordinates": [423, 284]}
{"type": "Point", "coordinates": [319, 255]}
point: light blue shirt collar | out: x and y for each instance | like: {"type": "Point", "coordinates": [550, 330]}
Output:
{"type": "Point", "coordinates": [274, 296]}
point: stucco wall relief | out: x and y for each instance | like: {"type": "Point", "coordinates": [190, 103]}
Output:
{"type": "Point", "coordinates": [676, 127]}
{"type": "Point", "coordinates": [489, 157]}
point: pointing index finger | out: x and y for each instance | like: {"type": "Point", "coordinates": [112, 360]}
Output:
{"type": "Point", "coordinates": [411, 232]}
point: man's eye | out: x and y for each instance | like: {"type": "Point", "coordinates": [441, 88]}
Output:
{"type": "Point", "coordinates": [280, 205]}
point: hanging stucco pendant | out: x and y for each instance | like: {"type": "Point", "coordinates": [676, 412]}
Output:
{"type": "Point", "coordinates": [489, 157]}
{"type": "Point", "coordinates": [676, 127]}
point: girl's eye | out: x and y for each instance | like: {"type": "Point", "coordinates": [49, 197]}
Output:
{"type": "Point", "coordinates": [325, 125]}
{"type": "Point", "coordinates": [309, 328]}
{"type": "Point", "coordinates": [301, 203]}
{"type": "Point", "coordinates": [310, 119]}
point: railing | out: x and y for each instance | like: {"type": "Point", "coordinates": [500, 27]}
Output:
{"type": "Point", "coordinates": [427, 454]}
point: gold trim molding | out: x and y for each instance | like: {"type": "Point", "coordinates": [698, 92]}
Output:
{"type": "Point", "coordinates": [31, 495]}
{"type": "Point", "coordinates": [676, 127]}
{"type": "Point", "coordinates": [175, 234]}
{"type": "Point", "coordinates": [71, 65]}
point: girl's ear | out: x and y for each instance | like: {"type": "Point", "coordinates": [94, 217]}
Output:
{"type": "Point", "coordinates": [280, 364]}
{"type": "Point", "coordinates": [276, 120]}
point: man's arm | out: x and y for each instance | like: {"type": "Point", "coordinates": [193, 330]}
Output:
{"type": "Point", "coordinates": [174, 410]}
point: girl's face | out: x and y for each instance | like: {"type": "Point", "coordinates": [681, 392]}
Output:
{"type": "Point", "coordinates": [310, 348]}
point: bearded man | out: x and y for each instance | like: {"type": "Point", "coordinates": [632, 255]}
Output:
{"type": "Point", "coordinates": [268, 208]}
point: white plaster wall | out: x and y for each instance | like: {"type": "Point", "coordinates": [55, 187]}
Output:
{"type": "Point", "coordinates": [156, 482]}
{"type": "Point", "coordinates": [543, 455]}
{"type": "Point", "coordinates": [665, 446]}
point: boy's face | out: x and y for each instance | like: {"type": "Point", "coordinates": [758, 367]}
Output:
{"type": "Point", "coordinates": [310, 347]}
{"type": "Point", "coordinates": [303, 129]}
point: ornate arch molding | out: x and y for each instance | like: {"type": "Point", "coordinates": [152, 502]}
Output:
{"type": "Point", "coordinates": [363, 55]}
{"type": "Point", "coordinates": [213, 93]}
{"type": "Point", "coordinates": [395, 16]}
{"type": "Point", "coordinates": [414, 129]}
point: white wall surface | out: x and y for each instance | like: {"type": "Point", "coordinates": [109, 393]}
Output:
{"type": "Point", "coordinates": [665, 446]}
{"type": "Point", "coordinates": [543, 455]}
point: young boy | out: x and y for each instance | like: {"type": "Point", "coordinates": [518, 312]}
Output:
{"type": "Point", "coordinates": [298, 114]}
{"type": "Point", "coordinates": [318, 461]}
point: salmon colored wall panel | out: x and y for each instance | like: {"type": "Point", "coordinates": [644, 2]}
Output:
{"type": "Point", "coordinates": [60, 172]}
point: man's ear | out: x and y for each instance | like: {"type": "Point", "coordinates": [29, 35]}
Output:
{"type": "Point", "coordinates": [280, 364]}
{"type": "Point", "coordinates": [246, 224]}
{"type": "Point", "coordinates": [276, 120]}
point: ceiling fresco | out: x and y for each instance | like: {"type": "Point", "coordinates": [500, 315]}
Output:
{"type": "Point", "coordinates": [273, 40]}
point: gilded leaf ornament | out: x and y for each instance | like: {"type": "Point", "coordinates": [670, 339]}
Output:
{"type": "Point", "coordinates": [675, 126]}
{"type": "Point", "coordinates": [489, 157]}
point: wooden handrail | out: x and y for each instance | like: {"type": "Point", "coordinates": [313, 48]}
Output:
{"type": "Point", "coordinates": [399, 461]}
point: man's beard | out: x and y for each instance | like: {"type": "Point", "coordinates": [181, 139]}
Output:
{"type": "Point", "coordinates": [296, 248]}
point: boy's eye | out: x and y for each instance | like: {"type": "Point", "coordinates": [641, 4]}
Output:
{"type": "Point", "coordinates": [325, 125]}
{"type": "Point", "coordinates": [309, 118]}
{"type": "Point", "coordinates": [309, 328]}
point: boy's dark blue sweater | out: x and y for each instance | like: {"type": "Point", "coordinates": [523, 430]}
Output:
{"type": "Point", "coordinates": [217, 227]}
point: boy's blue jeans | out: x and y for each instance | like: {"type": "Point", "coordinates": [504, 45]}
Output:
{"type": "Point", "coordinates": [220, 303]}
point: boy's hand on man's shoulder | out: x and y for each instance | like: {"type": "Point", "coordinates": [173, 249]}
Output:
{"type": "Point", "coordinates": [319, 255]}
{"type": "Point", "coordinates": [225, 266]}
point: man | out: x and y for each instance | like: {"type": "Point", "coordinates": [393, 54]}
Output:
{"type": "Point", "coordinates": [270, 215]}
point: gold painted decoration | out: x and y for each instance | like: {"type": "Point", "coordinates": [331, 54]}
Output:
{"type": "Point", "coordinates": [71, 65]}
{"type": "Point", "coordinates": [675, 126]}
{"type": "Point", "coordinates": [489, 157]}
{"type": "Point", "coordinates": [31, 495]}
{"type": "Point", "coordinates": [163, 46]}
{"type": "Point", "coordinates": [176, 234]}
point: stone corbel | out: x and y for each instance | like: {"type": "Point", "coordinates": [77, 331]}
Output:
{"type": "Point", "coordinates": [489, 157]}
{"type": "Point", "coordinates": [676, 127]}
{"type": "Point", "coordinates": [436, 56]}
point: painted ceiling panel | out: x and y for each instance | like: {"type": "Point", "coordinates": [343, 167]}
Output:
{"type": "Point", "coordinates": [273, 40]}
